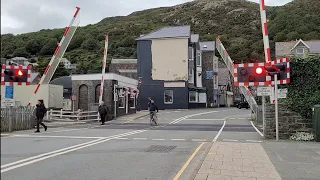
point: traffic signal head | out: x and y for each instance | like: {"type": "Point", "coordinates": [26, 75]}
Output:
{"type": "Point", "coordinates": [251, 74]}
{"type": "Point", "coordinates": [280, 69]}
{"type": "Point", "coordinates": [16, 75]}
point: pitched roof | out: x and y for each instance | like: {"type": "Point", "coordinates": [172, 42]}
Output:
{"type": "Point", "coordinates": [124, 61]}
{"type": "Point", "coordinates": [284, 48]}
{"type": "Point", "coordinates": [168, 32]}
{"type": "Point", "coordinates": [64, 81]}
{"type": "Point", "coordinates": [207, 46]}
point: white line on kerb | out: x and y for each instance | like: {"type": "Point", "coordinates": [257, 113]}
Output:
{"type": "Point", "coordinates": [220, 131]}
{"type": "Point", "coordinates": [62, 151]}
{"type": "Point", "coordinates": [158, 139]}
{"type": "Point", "coordinates": [256, 129]}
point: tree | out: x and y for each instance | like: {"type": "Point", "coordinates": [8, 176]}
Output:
{"type": "Point", "coordinates": [50, 47]}
{"type": "Point", "coordinates": [90, 44]}
{"type": "Point", "coordinates": [34, 46]}
{"type": "Point", "coordinates": [21, 52]}
{"type": "Point", "coordinates": [60, 71]}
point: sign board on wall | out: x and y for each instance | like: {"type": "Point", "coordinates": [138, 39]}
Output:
{"type": "Point", "coordinates": [7, 102]}
{"type": "Point", "coordinates": [264, 91]}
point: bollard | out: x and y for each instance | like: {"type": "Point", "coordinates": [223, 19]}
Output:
{"type": "Point", "coordinates": [10, 118]}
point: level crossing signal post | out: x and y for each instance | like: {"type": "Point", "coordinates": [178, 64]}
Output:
{"type": "Point", "coordinates": [264, 74]}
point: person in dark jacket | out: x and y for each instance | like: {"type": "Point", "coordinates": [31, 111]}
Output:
{"type": "Point", "coordinates": [149, 102]}
{"type": "Point", "coordinates": [152, 110]}
{"type": "Point", "coordinates": [103, 112]}
{"type": "Point", "coordinates": [40, 112]}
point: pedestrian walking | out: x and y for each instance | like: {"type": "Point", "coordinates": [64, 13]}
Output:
{"type": "Point", "coordinates": [103, 112]}
{"type": "Point", "coordinates": [40, 112]}
{"type": "Point", "coordinates": [152, 111]}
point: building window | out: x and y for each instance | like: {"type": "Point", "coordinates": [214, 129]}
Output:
{"type": "Point", "coordinates": [121, 102]}
{"type": "Point", "coordinates": [199, 58]}
{"type": "Point", "coordinates": [191, 76]}
{"type": "Point", "coordinates": [193, 96]}
{"type": "Point", "coordinates": [168, 96]}
{"type": "Point", "coordinates": [300, 50]}
{"type": "Point", "coordinates": [132, 101]}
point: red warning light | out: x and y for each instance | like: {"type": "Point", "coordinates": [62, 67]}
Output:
{"type": "Point", "coordinates": [259, 70]}
{"type": "Point", "coordinates": [20, 73]}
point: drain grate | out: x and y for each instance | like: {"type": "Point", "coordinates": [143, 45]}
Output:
{"type": "Point", "coordinates": [160, 149]}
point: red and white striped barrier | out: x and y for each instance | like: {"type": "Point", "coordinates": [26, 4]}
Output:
{"type": "Point", "coordinates": [52, 68]}
{"type": "Point", "coordinates": [104, 64]}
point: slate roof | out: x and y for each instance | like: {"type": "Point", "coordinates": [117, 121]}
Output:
{"type": "Point", "coordinates": [64, 81]}
{"type": "Point", "coordinates": [284, 48]}
{"type": "Point", "coordinates": [168, 32]}
{"type": "Point", "coordinates": [210, 46]}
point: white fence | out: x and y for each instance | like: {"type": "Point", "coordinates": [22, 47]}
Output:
{"type": "Point", "coordinates": [71, 116]}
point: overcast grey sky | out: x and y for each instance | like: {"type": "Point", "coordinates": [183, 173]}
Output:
{"type": "Point", "coordinates": [20, 16]}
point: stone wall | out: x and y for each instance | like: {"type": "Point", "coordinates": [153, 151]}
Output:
{"type": "Point", "coordinates": [87, 92]}
{"type": "Point", "coordinates": [289, 122]}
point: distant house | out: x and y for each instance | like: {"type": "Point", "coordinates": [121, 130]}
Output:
{"type": "Point", "coordinates": [67, 64]}
{"type": "Point", "coordinates": [19, 61]}
{"type": "Point", "coordinates": [297, 48]}
{"type": "Point", "coordinates": [124, 67]}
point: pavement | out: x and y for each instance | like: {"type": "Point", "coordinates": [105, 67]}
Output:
{"type": "Point", "coordinates": [187, 144]}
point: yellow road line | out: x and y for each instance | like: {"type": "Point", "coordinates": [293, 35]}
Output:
{"type": "Point", "coordinates": [188, 162]}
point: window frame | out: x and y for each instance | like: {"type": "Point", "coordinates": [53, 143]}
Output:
{"type": "Point", "coordinates": [164, 96]}
{"type": "Point", "coordinates": [299, 48]}
{"type": "Point", "coordinates": [199, 59]}
{"type": "Point", "coordinates": [134, 101]}
{"type": "Point", "coordinates": [124, 102]}
{"type": "Point", "coordinates": [196, 96]}
{"type": "Point", "coordinates": [191, 75]}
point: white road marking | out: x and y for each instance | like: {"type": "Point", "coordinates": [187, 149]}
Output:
{"type": "Point", "coordinates": [232, 140]}
{"type": "Point", "coordinates": [62, 151]}
{"type": "Point", "coordinates": [140, 138]}
{"type": "Point", "coordinates": [185, 117]}
{"type": "Point", "coordinates": [178, 139]}
{"type": "Point", "coordinates": [253, 141]}
{"type": "Point", "coordinates": [256, 129]}
{"type": "Point", "coordinates": [71, 137]}
{"type": "Point", "coordinates": [158, 139]}
{"type": "Point", "coordinates": [198, 140]}
{"type": "Point", "coordinates": [217, 136]}
{"type": "Point", "coordinates": [204, 119]}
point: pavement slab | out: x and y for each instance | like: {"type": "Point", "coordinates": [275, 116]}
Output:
{"type": "Point", "coordinates": [231, 160]}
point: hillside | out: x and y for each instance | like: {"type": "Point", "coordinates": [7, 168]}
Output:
{"type": "Point", "coordinates": [237, 21]}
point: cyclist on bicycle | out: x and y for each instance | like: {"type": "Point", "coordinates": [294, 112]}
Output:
{"type": "Point", "coordinates": [152, 110]}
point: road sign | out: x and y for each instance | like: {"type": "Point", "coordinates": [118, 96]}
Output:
{"type": "Point", "coordinates": [264, 91]}
{"type": "Point", "coordinates": [7, 102]}
{"type": "Point", "coordinates": [73, 97]}
{"type": "Point", "coordinates": [282, 93]}
{"type": "Point", "coordinates": [9, 92]}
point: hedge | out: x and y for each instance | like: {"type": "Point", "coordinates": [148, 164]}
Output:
{"type": "Point", "coordinates": [304, 87]}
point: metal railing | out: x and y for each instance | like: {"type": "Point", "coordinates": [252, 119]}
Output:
{"type": "Point", "coordinates": [229, 63]}
{"type": "Point", "coordinates": [17, 118]}
{"type": "Point", "coordinates": [71, 116]}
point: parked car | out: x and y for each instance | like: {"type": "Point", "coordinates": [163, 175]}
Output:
{"type": "Point", "coordinates": [243, 105]}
